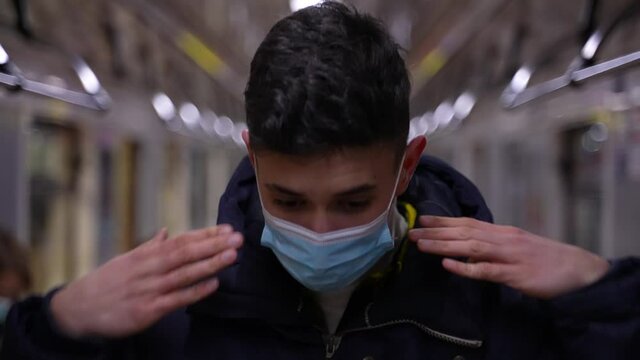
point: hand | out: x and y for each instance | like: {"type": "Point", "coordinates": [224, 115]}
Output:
{"type": "Point", "coordinates": [134, 290]}
{"type": "Point", "coordinates": [534, 265]}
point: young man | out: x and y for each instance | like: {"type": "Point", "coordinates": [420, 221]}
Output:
{"type": "Point", "coordinates": [349, 243]}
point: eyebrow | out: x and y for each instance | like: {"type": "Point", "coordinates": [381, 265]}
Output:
{"type": "Point", "coordinates": [357, 190]}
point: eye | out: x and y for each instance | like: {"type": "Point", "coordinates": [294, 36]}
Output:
{"type": "Point", "coordinates": [351, 206]}
{"type": "Point", "coordinates": [289, 204]}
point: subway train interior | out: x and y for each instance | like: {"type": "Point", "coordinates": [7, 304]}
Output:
{"type": "Point", "coordinates": [121, 117]}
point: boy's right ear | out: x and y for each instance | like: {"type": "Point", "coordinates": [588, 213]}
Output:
{"type": "Point", "coordinates": [247, 143]}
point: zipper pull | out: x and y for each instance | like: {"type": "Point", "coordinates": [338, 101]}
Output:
{"type": "Point", "coordinates": [332, 346]}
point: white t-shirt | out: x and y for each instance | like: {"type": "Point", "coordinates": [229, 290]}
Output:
{"type": "Point", "coordinates": [334, 303]}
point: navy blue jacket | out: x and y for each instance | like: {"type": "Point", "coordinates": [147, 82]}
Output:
{"type": "Point", "coordinates": [418, 312]}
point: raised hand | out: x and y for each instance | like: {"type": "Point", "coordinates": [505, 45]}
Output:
{"type": "Point", "coordinates": [134, 290]}
{"type": "Point", "coordinates": [532, 264]}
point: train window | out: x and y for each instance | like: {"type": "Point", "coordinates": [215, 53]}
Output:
{"type": "Point", "coordinates": [582, 178]}
{"type": "Point", "coordinates": [126, 178]}
{"type": "Point", "coordinates": [174, 195]}
{"type": "Point", "coordinates": [106, 213]}
{"type": "Point", "coordinates": [524, 190]}
{"type": "Point", "coordinates": [54, 163]}
{"type": "Point", "coordinates": [118, 169]}
{"type": "Point", "coordinates": [198, 188]}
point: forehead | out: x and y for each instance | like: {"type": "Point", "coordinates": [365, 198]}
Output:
{"type": "Point", "coordinates": [335, 169]}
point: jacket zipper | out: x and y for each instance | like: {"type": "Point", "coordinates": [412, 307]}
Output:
{"type": "Point", "coordinates": [333, 342]}
{"type": "Point", "coordinates": [429, 331]}
{"type": "Point", "coordinates": [332, 345]}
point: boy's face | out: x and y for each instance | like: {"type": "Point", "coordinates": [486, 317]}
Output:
{"type": "Point", "coordinates": [335, 191]}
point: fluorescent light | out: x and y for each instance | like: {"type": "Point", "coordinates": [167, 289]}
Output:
{"type": "Point", "coordinates": [412, 128]}
{"type": "Point", "coordinates": [237, 134]}
{"type": "Point", "coordinates": [301, 4]}
{"type": "Point", "coordinates": [444, 114]}
{"type": "Point", "coordinates": [520, 79]}
{"type": "Point", "coordinates": [431, 124]}
{"type": "Point", "coordinates": [87, 77]}
{"type": "Point", "coordinates": [223, 126]}
{"type": "Point", "coordinates": [163, 106]}
{"type": "Point", "coordinates": [190, 115]}
{"type": "Point", "coordinates": [4, 57]}
{"type": "Point", "coordinates": [464, 104]}
{"type": "Point", "coordinates": [208, 121]}
{"type": "Point", "coordinates": [590, 48]}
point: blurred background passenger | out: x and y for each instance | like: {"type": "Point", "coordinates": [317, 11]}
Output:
{"type": "Point", "coordinates": [15, 276]}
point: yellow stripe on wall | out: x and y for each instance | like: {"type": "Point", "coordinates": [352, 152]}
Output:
{"type": "Point", "coordinates": [200, 53]}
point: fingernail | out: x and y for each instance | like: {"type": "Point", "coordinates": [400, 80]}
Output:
{"type": "Point", "coordinates": [163, 233]}
{"type": "Point", "coordinates": [424, 242]}
{"type": "Point", "coordinates": [212, 283]}
{"type": "Point", "coordinates": [225, 229]}
{"type": "Point", "coordinates": [234, 239]}
{"type": "Point", "coordinates": [228, 255]}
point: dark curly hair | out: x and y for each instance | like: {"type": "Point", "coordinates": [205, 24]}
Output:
{"type": "Point", "coordinates": [327, 78]}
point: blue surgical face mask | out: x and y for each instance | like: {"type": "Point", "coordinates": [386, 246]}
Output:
{"type": "Point", "coordinates": [332, 260]}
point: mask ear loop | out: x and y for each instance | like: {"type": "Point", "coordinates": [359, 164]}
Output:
{"type": "Point", "coordinates": [395, 186]}
{"type": "Point", "coordinates": [255, 171]}
{"type": "Point", "coordinates": [394, 198]}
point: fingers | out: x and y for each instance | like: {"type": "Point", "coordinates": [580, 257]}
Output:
{"type": "Point", "coordinates": [161, 257]}
{"type": "Point", "coordinates": [465, 222]}
{"type": "Point", "coordinates": [192, 273]}
{"type": "Point", "coordinates": [488, 247]}
{"type": "Point", "coordinates": [478, 271]}
{"type": "Point", "coordinates": [465, 237]}
{"type": "Point", "coordinates": [185, 296]}
{"type": "Point", "coordinates": [162, 235]}
{"type": "Point", "coordinates": [473, 249]}
{"type": "Point", "coordinates": [461, 233]}
{"type": "Point", "coordinates": [201, 234]}
{"type": "Point", "coordinates": [159, 237]}
{"type": "Point", "coordinates": [176, 256]}
{"type": "Point", "coordinates": [463, 242]}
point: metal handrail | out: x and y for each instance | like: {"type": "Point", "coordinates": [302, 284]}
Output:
{"type": "Point", "coordinates": [579, 70]}
{"type": "Point", "coordinates": [94, 97]}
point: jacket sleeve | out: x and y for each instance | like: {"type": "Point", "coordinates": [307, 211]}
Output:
{"type": "Point", "coordinates": [31, 334]}
{"type": "Point", "coordinates": [601, 321]}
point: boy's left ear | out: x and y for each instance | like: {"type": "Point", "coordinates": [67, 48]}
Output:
{"type": "Point", "coordinates": [414, 151]}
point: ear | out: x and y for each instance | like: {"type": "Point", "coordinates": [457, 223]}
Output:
{"type": "Point", "coordinates": [414, 151]}
{"type": "Point", "coordinates": [245, 138]}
